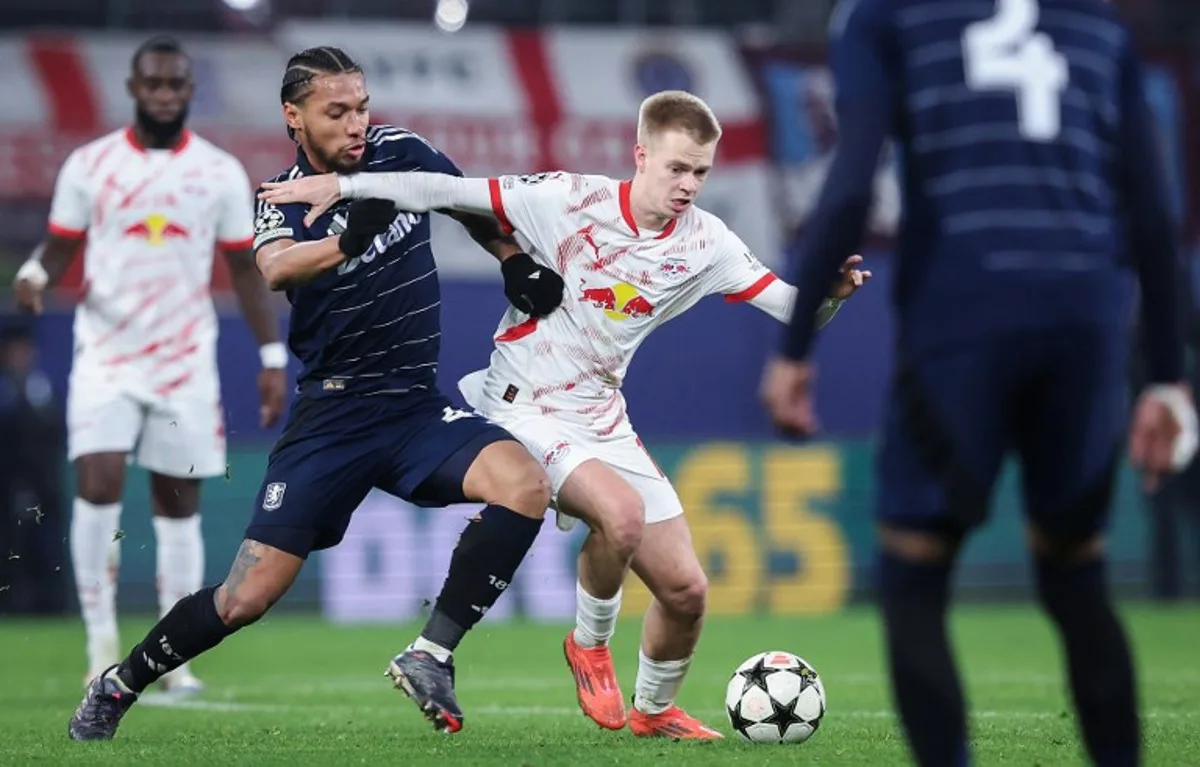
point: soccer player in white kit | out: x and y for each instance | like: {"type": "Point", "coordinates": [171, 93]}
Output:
{"type": "Point", "coordinates": [153, 201]}
{"type": "Point", "coordinates": [633, 255]}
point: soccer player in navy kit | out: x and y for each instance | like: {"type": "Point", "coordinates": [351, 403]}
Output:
{"type": "Point", "coordinates": [365, 324]}
{"type": "Point", "coordinates": [1034, 208]}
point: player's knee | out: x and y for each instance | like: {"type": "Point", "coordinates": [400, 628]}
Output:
{"type": "Point", "coordinates": [100, 494]}
{"type": "Point", "coordinates": [526, 490]}
{"type": "Point", "coordinates": [918, 545]}
{"type": "Point", "coordinates": [622, 523]}
{"type": "Point", "coordinates": [505, 474]}
{"type": "Point", "coordinates": [100, 485]}
{"type": "Point", "coordinates": [688, 599]}
{"type": "Point", "coordinates": [175, 508]}
{"type": "Point", "coordinates": [1064, 550]}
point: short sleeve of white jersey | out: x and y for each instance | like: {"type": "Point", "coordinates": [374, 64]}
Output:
{"type": "Point", "coordinates": [736, 272]}
{"type": "Point", "coordinates": [70, 211]}
{"type": "Point", "coordinates": [534, 204]}
{"type": "Point", "coordinates": [235, 229]}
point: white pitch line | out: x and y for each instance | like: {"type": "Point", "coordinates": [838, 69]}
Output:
{"type": "Point", "coordinates": [482, 682]}
{"type": "Point", "coordinates": [224, 707]}
{"type": "Point", "coordinates": [162, 701]}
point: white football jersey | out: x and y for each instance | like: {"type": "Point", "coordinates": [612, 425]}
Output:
{"type": "Point", "coordinates": [152, 219]}
{"type": "Point", "coordinates": [621, 283]}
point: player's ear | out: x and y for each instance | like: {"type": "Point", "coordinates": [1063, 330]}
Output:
{"type": "Point", "coordinates": [291, 116]}
{"type": "Point", "coordinates": [129, 87]}
{"type": "Point", "coordinates": [639, 157]}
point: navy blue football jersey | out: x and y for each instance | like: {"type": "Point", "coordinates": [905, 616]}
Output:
{"type": "Point", "coordinates": [372, 325]}
{"type": "Point", "coordinates": [1030, 180]}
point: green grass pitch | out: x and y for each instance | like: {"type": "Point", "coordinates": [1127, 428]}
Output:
{"type": "Point", "coordinates": [296, 690]}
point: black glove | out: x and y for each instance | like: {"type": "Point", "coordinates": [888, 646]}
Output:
{"type": "Point", "coordinates": [364, 221]}
{"type": "Point", "coordinates": [531, 287]}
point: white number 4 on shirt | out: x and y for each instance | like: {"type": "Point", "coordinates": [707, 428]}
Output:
{"type": "Point", "coordinates": [452, 414]}
{"type": "Point", "coordinates": [1005, 53]}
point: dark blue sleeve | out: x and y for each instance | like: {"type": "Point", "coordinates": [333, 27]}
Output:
{"type": "Point", "coordinates": [277, 222]}
{"type": "Point", "coordinates": [1152, 230]}
{"type": "Point", "coordinates": [865, 112]}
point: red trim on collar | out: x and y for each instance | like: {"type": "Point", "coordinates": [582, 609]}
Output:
{"type": "Point", "coordinates": [627, 213]}
{"type": "Point", "coordinates": [185, 138]}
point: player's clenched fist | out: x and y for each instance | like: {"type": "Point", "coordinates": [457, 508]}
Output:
{"type": "Point", "coordinates": [787, 392]}
{"type": "Point", "coordinates": [532, 288]}
{"type": "Point", "coordinates": [30, 282]}
{"type": "Point", "coordinates": [366, 219]}
{"type": "Point", "coordinates": [1163, 436]}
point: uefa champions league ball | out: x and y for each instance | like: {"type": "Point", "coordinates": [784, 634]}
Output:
{"type": "Point", "coordinates": [775, 697]}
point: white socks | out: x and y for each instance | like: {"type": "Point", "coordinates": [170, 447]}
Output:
{"type": "Point", "coordinates": [658, 683]}
{"type": "Point", "coordinates": [95, 556]}
{"type": "Point", "coordinates": [179, 550]}
{"type": "Point", "coordinates": [595, 619]}
{"type": "Point", "coordinates": [179, 547]}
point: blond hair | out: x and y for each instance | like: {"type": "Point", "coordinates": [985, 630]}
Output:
{"type": "Point", "coordinates": [677, 110]}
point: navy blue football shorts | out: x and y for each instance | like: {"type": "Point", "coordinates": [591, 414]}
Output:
{"type": "Point", "coordinates": [334, 450]}
{"type": "Point", "coordinates": [1056, 398]}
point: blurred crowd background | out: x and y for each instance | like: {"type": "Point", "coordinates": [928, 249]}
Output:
{"type": "Point", "coordinates": [522, 86]}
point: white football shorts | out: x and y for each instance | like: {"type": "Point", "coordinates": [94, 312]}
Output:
{"type": "Point", "coordinates": [181, 436]}
{"type": "Point", "coordinates": [561, 447]}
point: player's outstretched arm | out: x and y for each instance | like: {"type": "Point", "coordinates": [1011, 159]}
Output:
{"type": "Point", "coordinates": [423, 191]}
{"type": "Point", "coordinates": [779, 298]}
{"type": "Point", "coordinates": [530, 287]}
{"type": "Point", "coordinates": [414, 191]}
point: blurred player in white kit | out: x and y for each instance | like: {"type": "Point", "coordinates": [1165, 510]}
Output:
{"type": "Point", "coordinates": [153, 201]}
{"type": "Point", "coordinates": [633, 255]}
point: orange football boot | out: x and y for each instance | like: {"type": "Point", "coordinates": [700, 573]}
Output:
{"type": "Point", "coordinates": [596, 683]}
{"type": "Point", "coordinates": [672, 723]}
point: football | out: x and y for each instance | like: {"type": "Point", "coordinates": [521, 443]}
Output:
{"type": "Point", "coordinates": [775, 697]}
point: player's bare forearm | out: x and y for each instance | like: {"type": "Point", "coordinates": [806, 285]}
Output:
{"type": "Point", "coordinates": [56, 255]}
{"type": "Point", "coordinates": [253, 296]}
{"type": "Point", "coordinates": [285, 263]}
{"type": "Point", "coordinates": [486, 231]}
{"type": "Point", "coordinates": [779, 298]}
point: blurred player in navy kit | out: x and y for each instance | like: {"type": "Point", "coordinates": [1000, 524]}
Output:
{"type": "Point", "coordinates": [365, 324]}
{"type": "Point", "coordinates": [1034, 208]}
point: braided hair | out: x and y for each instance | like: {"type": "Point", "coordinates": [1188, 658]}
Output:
{"type": "Point", "coordinates": [308, 65]}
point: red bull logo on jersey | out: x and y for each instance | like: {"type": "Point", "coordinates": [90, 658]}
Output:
{"type": "Point", "coordinates": [156, 229]}
{"type": "Point", "coordinates": [619, 302]}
